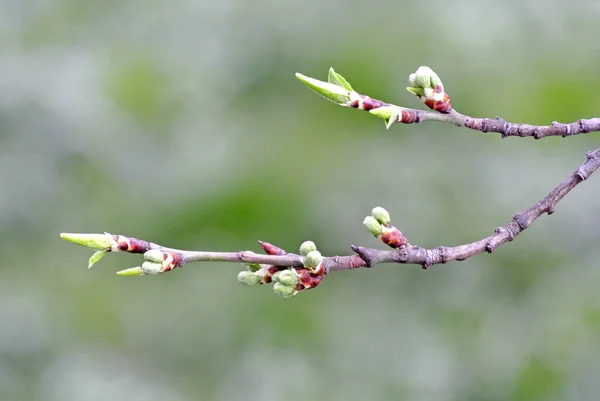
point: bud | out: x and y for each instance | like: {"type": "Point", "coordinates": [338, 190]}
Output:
{"type": "Point", "coordinates": [381, 215]}
{"type": "Point", "coordinates": [154, 255]}
{"type": "Point", "coordinates": [283, 290]}
{"type": "Point", "coordinates": [286, 277]}
{"type": "Point", "coordinates": [151, 268]}
{"type": "Point", "coordinates": [96, 257]}
{"type": "Point", "coordinates": [306, 247]}
{"type": "Point", "coordinates": [312, 259]}
{"type": "Point", "coordinates": [271, 249]}
{"type": "Point", "coordinates": [428, 86]}
{"type": "Point", "coordinates": [248, 278]}
{"type": "Point", "coordinates": [335, 93]}
{"type": "Point", "coordinates": [425, 77]}
{"type": "Point", "coordinates": [373, 226]}
{"type": "Point", "coordinates": [98, 242]}
{"type": "Point", "coordinates": [133, 271]}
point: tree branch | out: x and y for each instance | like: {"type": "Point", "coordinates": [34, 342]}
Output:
{"type": "Point", "coordinates": [276, 259]}
{"type": "Point", "coordinates": [292, 273]}
{"type": "Point", "coordinates": [429, 88]}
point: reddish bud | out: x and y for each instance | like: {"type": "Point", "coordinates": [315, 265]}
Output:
{"type": "Point", "coordinates": [271, 249]}
{"type": "Point", "coordinates": [393, 237]}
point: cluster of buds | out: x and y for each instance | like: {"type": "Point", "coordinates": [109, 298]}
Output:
{"type": "Point", "coordinates": [338, 90]}
{"type": "Point", "coordinates": [426, 84]}
{"type": "Point", "coordinates": [380, 225]}
{"type": "Point", "coordinates": [155, 260]}
{"type": "Point", "coordinates": [287, 282]}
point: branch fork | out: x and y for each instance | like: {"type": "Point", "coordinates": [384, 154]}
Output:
{"type": "Point", "coordinates": [292, 273]}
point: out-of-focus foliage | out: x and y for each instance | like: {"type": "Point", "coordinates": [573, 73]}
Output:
{"type": "Point", "coordinates": [182, 123]}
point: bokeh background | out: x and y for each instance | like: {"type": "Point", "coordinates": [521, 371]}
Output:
{"type": "Point", "coordinates": [182, 123]}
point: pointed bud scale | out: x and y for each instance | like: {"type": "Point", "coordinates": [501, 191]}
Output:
{"type": "Point", "coordinates": [373, 226]}
{"type": "Point", "coordinates": [337, 79]}
{"type": "Point", "coordinates": [96, 257]}
{"type": "Point", "coordinates": [154, 255]}
{"type": "Point", "coordinates": [283, 290]}
{"type": "Point", "coordinates": [306, 247]}
{"type": "Point", "coordinates": [381, 215]}
{"type": "Point", "coordinates": [98, 242]}
{"type": "Point", "coordinates": [131, 272]}
{"type": "Point", "coordinates": [248, 278]}
{"type": "Point", "coordinates": [385, 112]}
{"type": "Point", "coordinates": [335, 93]}
{"type": "Point", "coordinates": [271, 249]}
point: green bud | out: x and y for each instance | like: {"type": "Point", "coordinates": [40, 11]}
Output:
{"type": "Point", "coordinates": [96, 257]}
{"type": "Point", "coordinates": [154, 255]}
{"type": "Point", "coordinates": [98, 242]}
{"type": "Point", "coordinates": [335, 93]}
{"type": "Point", "coordinates": [425, 77]}
{"type": "Point", "coordinates": [253, 267]}
{"type": "Point", "coordinates": [312, 259]}
{"type": "Point", "coordinates": [337, 79]}
{"type": "Point", "coordinates": [381, 215]}
{"type": "Point", "coordinates": [133, 271]}
{"type": "Point", "coordinates": [248, 278]}
{"type": "Point", "coordinates": [286, 277]}
{"type": "Point", "coordinates": [373, 226]}
{"type": "Point", "coordinates": [306, 247]}
{"type": "Point", "coordinates": [151, 268]}
{"type": "Point", "coordinates": [283, 290]}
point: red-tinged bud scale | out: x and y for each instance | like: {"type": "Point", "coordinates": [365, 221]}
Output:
{"type": "Point", "coordinates": [271, 249]}
{"type": "Point", "coordinates": [172, 260]}
{"type": "Point", "coordinates": [131, 245]}
{"type": "Point", "coordinates": [393, 238]}
{"type": "Point", "coordinates": [268, 276]}
{"type": "Point", "coordinates": [443, 106]}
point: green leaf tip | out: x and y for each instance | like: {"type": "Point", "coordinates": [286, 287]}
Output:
{"type": "Point", "coordinates": [131, 272]}
{"type": "Point", "coordinates": [416, 91]}
{"type": "Point", "coordinates": [98, 242]}
{"type": "Point", "coordinates": [95, 258]}
{"type": "Point", "coordinates": [336, 93]}
{"type": "Point", "coordinates": [336, 79]}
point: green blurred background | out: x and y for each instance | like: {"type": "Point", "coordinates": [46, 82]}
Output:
{"type": "Point", "coordinates": [182, 123]}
